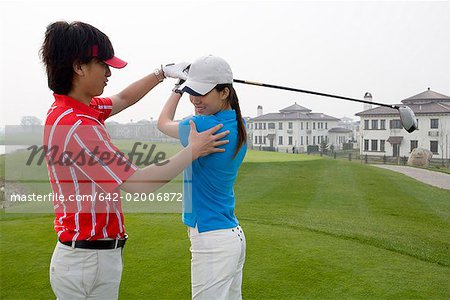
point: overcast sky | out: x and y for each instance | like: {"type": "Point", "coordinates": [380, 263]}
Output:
{"type": "Point", "coordinates": [392, 49]}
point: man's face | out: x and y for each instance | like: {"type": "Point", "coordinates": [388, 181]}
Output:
{"type": "Point", "coordinates": [95, 77]}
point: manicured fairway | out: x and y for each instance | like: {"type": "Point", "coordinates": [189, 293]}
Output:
{"type": "Point", "coordinates": [315, 228]}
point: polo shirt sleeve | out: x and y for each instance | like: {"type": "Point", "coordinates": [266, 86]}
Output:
{"type": "Point", "coordinates": [102, 104]}
{"type": "Point", "coordinates": [202, 123]}
{"type": "Point", "coordinates": [90, 151]}
{"type": "Point", "coordinates": [184, 129]}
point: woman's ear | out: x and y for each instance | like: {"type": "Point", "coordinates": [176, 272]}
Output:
{"type": "Point", "coordinates": [225, 93]}
{"type": "Point", "coordinates": [78, 68]}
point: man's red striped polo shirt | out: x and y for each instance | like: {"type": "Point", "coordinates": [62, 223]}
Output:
{"type": "Point", "coordinates": [86, 169]}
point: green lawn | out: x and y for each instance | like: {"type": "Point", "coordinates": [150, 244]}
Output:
{"type": "Point", "coordinates": [316, 228]}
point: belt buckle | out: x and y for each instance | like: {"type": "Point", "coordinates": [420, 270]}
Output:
{"type": "Point", "coordinates": [125, 237]}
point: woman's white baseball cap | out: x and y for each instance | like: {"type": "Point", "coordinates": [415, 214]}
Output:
{"type": "Point", "coordinates": [205, 73]}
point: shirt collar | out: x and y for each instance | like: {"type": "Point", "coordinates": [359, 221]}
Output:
{"type": "Point", "coordinates": [67, 101]}
{"type": "Point", "coordinates": [226, 114]}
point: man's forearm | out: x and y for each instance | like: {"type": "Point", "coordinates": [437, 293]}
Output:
{"type": "Point", "coordinates": [149, 179]}
{"type": "Point", "coordinates": [135, 91]}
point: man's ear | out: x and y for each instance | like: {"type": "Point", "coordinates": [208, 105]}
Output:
{"type": "Point", "coordinates": [78, 68]}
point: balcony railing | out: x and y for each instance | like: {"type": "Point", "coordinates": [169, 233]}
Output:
{"type": "Point", "coordinates": [433, 133]}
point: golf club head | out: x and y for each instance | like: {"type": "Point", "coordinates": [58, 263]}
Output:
{"type": "Point", "coordinates": [408, 118]}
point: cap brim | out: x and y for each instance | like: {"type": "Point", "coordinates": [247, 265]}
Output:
{"type": "Point", "coordinates": [197, 88]}
{"type": "Point", "coordinates": [116, 62]}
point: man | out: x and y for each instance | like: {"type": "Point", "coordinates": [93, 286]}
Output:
{"type": "Point", "coordinates": [83, 163]}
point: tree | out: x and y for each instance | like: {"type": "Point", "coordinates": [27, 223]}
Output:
{"type": "Point", "coordinates": [443, 141]}
{"type": "Point", "coordinates": [30, 121]}
{"type": "Point", "coordinates": [323, 146]}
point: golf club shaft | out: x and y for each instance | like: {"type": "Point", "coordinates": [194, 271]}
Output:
{"type": "Point", "coordinates": [311, 92]}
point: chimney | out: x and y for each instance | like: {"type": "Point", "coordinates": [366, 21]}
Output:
{"type": "Point", "coordinates": [367, 97]}
{"type": "Point", "coordinates": [259, 111]}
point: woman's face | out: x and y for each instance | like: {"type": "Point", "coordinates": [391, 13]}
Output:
{"type": "Point", "coordinates": [211, 103]}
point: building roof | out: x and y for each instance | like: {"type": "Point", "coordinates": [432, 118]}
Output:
{"type": "Point", "coordinates": [418, 109]}
{"type": "Point", "coordinates": [293, 113]}
{"type": "Point", "coordinates": [339, 130]}
{"type": "Point", "coordinates": [294, 108]}
{"type": "Point", "coordinates": [294, 116]}
{"type": "Point", "coordinates": [426, 96]}
{"type": "Point", "coordinates": [346, 119]}
{"type": "Point", "coordinates": [395, 139]}
{"type": "Point", "coordinates": [428, 102]}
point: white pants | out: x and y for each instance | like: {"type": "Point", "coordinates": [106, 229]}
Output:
{"type": "Point", "coordinates": [217, 261]}
{"type": "Point", "coordinates": [85, 273]}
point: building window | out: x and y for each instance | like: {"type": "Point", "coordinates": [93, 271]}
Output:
{"type": "Point", "coordinates": [271, 126]}
{"type": "Point", "coordinates": [301, 140]}
{"type": "Point", "coordinates": [280, 126]}
{"type": "Point", "coordinates": [326, 125]}
{"type": "Point", "coordinates": [290, 140]}
{"type": "Point", "coordinates": [366, 145]}
{"type": "Point", "coordinates": [383, 124]}
{"type": "Point", "coordinates": [301, 125]}
{"type": "Point", "coordinates": [434, 123]}
{"type": "Point", "coordinates": [307, 125]}
{"type": "Point", "coordinates": [382, 142]}
{"type": "Point", "coordinates": [366, 124]}
{"type": "Point", "coordinates": [314, 125]}
{"type": "Point", "coordinates": [434, 147]}
{"type": "Point", "coordinates": [374, 145]}
{"type": "Point", "coordinates": [307, 139]}
{"type": "Point", "coordinates": [374, 124]}
{"type": "Point", "coordinates": [264, 126]}
{"type": "Point", "coordinates": [264, 141]}
{"type": "Point", "coordinates": [314, 140]}
{"type": "Point", "coordinates": [413, 145]}
{"type": "Point", "coordinates": [260, 139]}
{"type": "Point", "coordinates": [290, 125]}
{"type": "Point", "coordinates": [280, 140]}
{"type": "Point", "coordinates": [256, 139]}
{"type": "Point", "coordinates": [395, 124]}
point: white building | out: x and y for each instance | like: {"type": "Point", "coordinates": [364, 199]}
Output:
{"type": "Point", "coordinates": [294, 128]}
{"type": "Point", "coordinates": [381, 132]}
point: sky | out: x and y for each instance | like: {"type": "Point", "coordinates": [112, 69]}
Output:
{"type": "Point", "coordinates": [393, 50]}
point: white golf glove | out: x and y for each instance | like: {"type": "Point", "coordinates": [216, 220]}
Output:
{"type": "Point", "coordinates": [176, 70]}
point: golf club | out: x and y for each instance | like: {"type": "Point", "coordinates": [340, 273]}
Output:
{"type": "Point", "coordinates": [407, 117]}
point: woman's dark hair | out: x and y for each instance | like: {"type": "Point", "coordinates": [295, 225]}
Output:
{"type": "Point", "coordinates": [234, 102]}
{"type": "Point", "coordinates": [67, 43]}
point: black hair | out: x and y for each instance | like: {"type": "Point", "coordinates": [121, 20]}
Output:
{"type": "Point", "coordinates": [68, 43]}
{"type": "Point", "coordinates": [234, 102]}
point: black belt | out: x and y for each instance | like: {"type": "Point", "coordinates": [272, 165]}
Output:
{"type": "Point", "coordinates": [97, 244]}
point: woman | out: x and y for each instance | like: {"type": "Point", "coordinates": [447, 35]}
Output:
{"type": "Point", "coordinates": [217, 240]}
